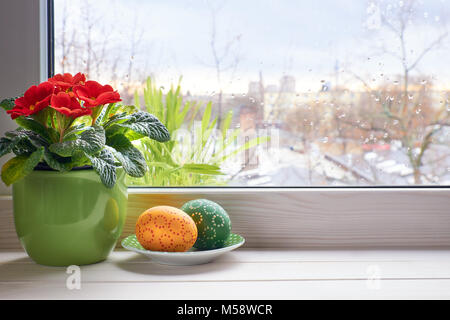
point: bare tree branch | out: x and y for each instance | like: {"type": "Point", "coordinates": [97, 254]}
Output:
{"type": "Point", "coordinates": [434, 44]}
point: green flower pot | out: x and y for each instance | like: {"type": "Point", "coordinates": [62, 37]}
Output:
{"type": "Point", "coordinates": [69, 218]}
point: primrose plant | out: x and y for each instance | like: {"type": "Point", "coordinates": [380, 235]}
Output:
{"type": "Point", "coordinates": [68, 122]}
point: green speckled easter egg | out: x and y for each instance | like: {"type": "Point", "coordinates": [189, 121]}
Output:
{"type": "Point", "coordinates": [213, 223]}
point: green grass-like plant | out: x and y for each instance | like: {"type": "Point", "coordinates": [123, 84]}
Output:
{"type": "Point", "coordinates": [197, 149]}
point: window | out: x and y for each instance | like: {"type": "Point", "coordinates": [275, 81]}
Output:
{"type": "Point", "coordinates": [329, 93]}
{"type": "Point", "coordinates": [267, 217]}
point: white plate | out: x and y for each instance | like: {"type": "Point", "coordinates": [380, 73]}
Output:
{"type": "Point", "coordinates": [188, 258]}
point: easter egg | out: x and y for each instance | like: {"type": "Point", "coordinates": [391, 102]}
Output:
{"type": "Point", "coordinates": [213, 223]}
{"type": "Point", "coordinates": [165, 228]}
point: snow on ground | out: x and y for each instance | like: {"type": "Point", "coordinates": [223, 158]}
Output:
{"type": "Point", "coordinates": [286, 167]}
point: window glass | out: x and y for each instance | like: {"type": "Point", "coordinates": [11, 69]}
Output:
{"type": "Point", "coordinates": [275, 93]}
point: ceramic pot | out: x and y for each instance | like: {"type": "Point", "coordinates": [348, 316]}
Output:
{"type": "Point", "coordinates": [69, 218]}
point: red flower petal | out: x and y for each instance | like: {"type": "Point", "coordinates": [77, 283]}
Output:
{"type": "Point", "coordinates": [94, 88]}
{"type": "Point", "coordinates": [20, 102]}
{"type": "Point", "coordinates": [60, 100]}
{"type": "Point", "coordinates": [79, 79]}
{"type": "Point", "coordinates": [34, 100]}
{"type": "Point", "coordinates": [66, 81]}
{"type": "Point", "coordinates": [68, 105]}
{"type": "Point", "coordinates": [94, 94]}
{"type": "Point", "coordinates": [108, 97]}
{"type": "Point", "coordinates": [30, 94]}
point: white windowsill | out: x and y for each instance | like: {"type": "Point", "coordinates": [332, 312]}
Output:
{"type": "Point", "coordinates": [242, 274]}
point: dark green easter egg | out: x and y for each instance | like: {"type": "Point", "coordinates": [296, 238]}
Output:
{"type": "Point", "coordinates": [212, 221]}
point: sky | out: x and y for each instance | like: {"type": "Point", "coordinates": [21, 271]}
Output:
{"type": "Point", "coordinates": [305, 39]}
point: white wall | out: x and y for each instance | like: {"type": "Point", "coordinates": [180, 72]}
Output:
{"type": "Point", "coordinates": [22, 58]}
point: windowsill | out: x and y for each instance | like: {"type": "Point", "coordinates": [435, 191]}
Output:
{"type": "Point", "coordinates": [242, 274]}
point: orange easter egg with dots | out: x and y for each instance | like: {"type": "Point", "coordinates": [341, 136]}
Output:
{"type": "Point", "coordinates": [165, 228]}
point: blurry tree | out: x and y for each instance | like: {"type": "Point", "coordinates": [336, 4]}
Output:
{"type": "Point", "coordinates": [405, 107]}
{"type": "Point", "coordinates": [305, 122]}
{"type": "Point", "coordinates": [225, 54]}
{"type": "Point", "coordinates": [85, 45]}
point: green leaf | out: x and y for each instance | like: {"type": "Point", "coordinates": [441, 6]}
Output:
{"type": "Point", "coordinates": [102, 114]}
{"type": "Point", "coordinates": [29, 123]}
{"type": "Point", "coordinates": [90, 142]}
{"type": "Point", "coordinates": [117, 113]}
{"type": "Point", "coordinates": [129, 109]}
{"type": "Point", "coordinates": [54, 135]}
{"type": "Point", "coordinates": [226, 124]}
{"type": "Point", "coordinates": [138, 125]}
{"type": "Point", "coordinates": [104, 165]}
{"type": "Point", "coordinates": [206, 116]}
{"type": "Point", "coordinates": [57, 163]}
{"type": "Point", "coordinates": [8, 104]}
{"type": "Point", "coordinates": [196, 109]}
{"type": "Point", "coordinates": [19, 167]}
{"type": "Point", "coordinates": [137, 101]}
{"type": "Point", "coordinates": [79, 159]}
{"type": "Point", "coordinates": [132, 160]}
{"type": "Point", "coordinates": [248, 145]}
{"type": "Point", "coordinates": [202, 168]}
{"type": "Point", "coordinates": [160, 165]}
{"type": "Point", "coordinates": [26, 142]}
{"type": "Point", "coordinates": [31, 136]}
{"type": "Point", "coordinates": [73, 131]}
{"type": "Point", "coordinates": [112, 111]}
{"type": "Point", "coordinates": [23, 147]}
{"type": "Point", "coordinates": [119, 117]}
{"type": "Point", "coordinates": [6, 146]}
